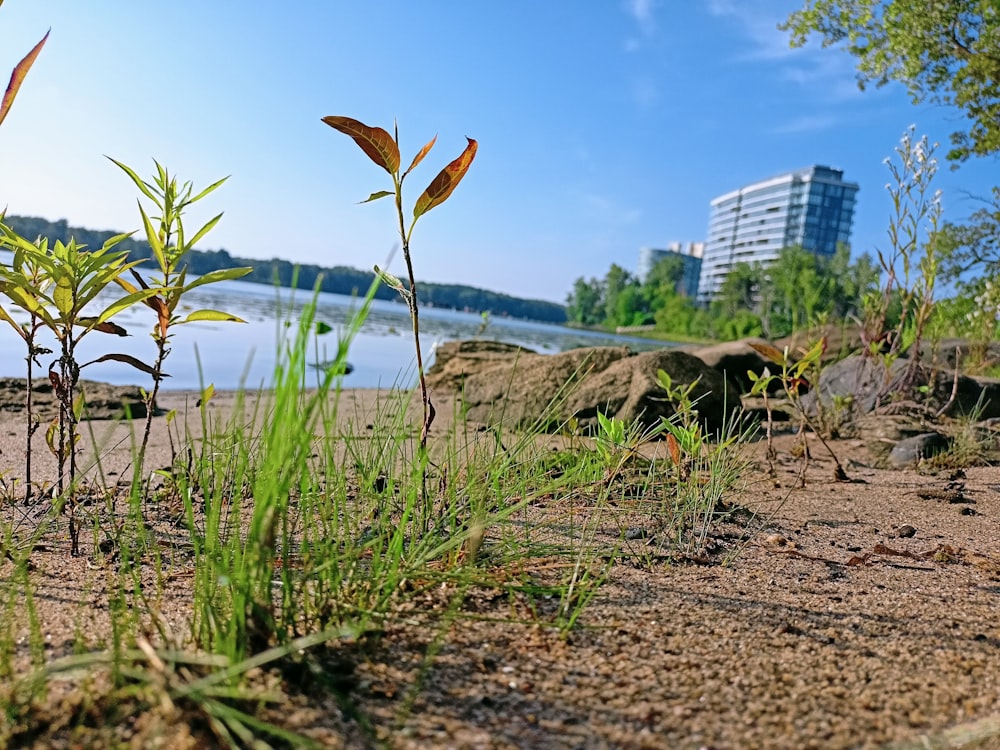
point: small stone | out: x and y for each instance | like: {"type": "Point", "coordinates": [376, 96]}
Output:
{"type": "Point", "coordinates": [906, 532]}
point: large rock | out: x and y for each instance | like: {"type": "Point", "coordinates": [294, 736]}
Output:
{"type": "Point", "coordinates": [454, 361]}
{"type": "Point", "coordinates": [103, 401]}
{"type": "Point", "coordinates": [733, 359]}
{"type": "Point", "coordinates": [862, 384]}
{"type": "Point", "coordinates": [546, 390]}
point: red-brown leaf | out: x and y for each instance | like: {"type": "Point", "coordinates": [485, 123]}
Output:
{"type": "Point", "coordinates": [420, 156]}
{"type": "Point", "coordinates": [674, 448]}
{"type": "Point", "coordinates": [375, 142]}
{"type": "Point", "coordinates": [770, 352]}
{"type": "Point", "coordinates": [105, 327]}
{"type": "Point", "coordinates": [17, 77]}
{"type": "Point", "coordinates": [127, 359]}
{"type": "Point", "coordinates": [447, 180]}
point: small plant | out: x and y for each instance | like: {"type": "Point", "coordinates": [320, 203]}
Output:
{"type": "Point", "coordinates": [383, 149]}
{"type": "Point", "coordinates": [794, 379]}
{"type": "Point", "coordinates": [24, 266]}
{"type": "Point", "coordinates": [58, 286]}
{"type": "Point", "coordinates": [910, 266]}
{"type": "Point", "coordinates": [169, 244]}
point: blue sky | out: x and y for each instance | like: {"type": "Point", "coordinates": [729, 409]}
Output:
{"type": "Point", "coordinates": [603, 125]}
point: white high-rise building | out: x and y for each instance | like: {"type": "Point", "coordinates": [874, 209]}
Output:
{"type": "Point", "coordinates": [812, 208]}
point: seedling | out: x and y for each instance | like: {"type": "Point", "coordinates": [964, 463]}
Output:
{"type": "Point", "coordinates": [167, 240]}
{"type": "Point", "coordinates": [794, 380]}
{"type": "Point", "coordinates": [56, 286]}
{"type": "Point", "coordinates": [383, 149]}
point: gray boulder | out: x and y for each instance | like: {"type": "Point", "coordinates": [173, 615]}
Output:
{"type": "Point", "coordinates": [546, 390]}
{"type": "Point", "coordinates": [733, 359]}
{"type": "Point", "coordinates": [862, 384]}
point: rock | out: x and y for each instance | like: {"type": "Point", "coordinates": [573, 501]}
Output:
{"type": "Point", "coordinates": [733, 359]}
{"type": "Point", "coordinates": [454, 361]}
{"type": "Point", "coordinates": [912, 450]}
{"type": "Point", "coordinates": [942, 354]}
{"type": "Point", "coordinates": [581, 383]}
{"type": "Point", "coordinates": [862, 384]}
{"type": "Point", "coordinates": [103, 401]}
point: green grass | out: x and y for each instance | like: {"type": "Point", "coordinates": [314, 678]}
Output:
{"type": "Point", "coordinates": [307, 531]}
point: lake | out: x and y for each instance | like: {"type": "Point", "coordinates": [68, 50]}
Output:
{"type": "Point", "coordinates": [229, 355]}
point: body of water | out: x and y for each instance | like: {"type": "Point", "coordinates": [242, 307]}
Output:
{"type": "Point", "coordinates": [229, 355]}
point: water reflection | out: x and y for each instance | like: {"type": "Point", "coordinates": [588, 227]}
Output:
{"type": "Point", "coordinates": [230, 355]}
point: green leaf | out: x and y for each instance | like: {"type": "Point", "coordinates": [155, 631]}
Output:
{"type": "Point", "coordinates": [389, 280]}
{"type": "Point", "coordinates": [62, 296]}
{"type": "Point", "coordinates": [375, 142]}
{"type": "Point", "coordinates": [205, 192]}
{"type": "Point", "coordinates": [153, 238]}
{"type": "Point", "coordinates": [213, 315]}
{"type": "Point", "coordinates": [377, 195]}
{"type": "Point", "coordinates": [139, 183]}
{"type": "Point", "coordinates": [321, 327]}
{"type": "Point", "coordinates": [202, 232]}
{"type": "Point", "coordinates": [221, 274]}
{"type": "Point", "coordinates": [447, 180]}
{"type": "Point", "coordinates": [4, 315]}
{"type": "Point", "coordinates": [124, 303]}
{"type": "Point", "coordinates": [17, 77]}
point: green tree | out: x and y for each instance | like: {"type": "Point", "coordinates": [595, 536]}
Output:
{"type": "Point", "coordinates": [585, 304]}
{"type": "Point", "coordinates": [944, 52]}
{"type": "Point", "coordinates": [615, 284]}
{"type": "Point", "coordinates": [975, 244]}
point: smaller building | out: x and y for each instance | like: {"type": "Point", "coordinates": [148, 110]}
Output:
{"type": "Point", "coordinates": [691, 254]}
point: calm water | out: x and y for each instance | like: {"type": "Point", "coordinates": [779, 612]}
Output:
{"type": "Point", "coordinates": [230, 354]}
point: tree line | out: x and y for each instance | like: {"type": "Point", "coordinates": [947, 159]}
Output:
{"type": "Point", "coordinates": [335, 279]}
{"type": "Point", "coordinates": [799, 289]}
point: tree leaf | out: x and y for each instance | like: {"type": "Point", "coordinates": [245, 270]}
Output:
{"type": "Point", "coordinates": [139, 182]}
{"type": "Point", "coordinates": [377, 195]}
{"type": "Point", "coordinates": [213, 315]}
{"type": "Point", "coordinates": [389, 280]}
{"type": "Point", "coordinates": [203, 231]}
{"type": "Point", "coordinates": [674, 448]}
{"type": "Point", "coordinates": [4, 315]}
{"type": "Point", "coordinates": [375, 142]}
{"type": "Point", "coordinates": [221, 274]}
{"type": "Point", "coordinates": [17, 77]}
{"type": "Point", "coordinates": [124, 303]}
{"type": "Point", "coordinates": [103, 326]}
{"type": "Point", "coordinates": [769, 352]}
{"type": "Point", "coordinates": [420, 156]}
{"type": "Point", "coordinates": [128, 359]}
{"type": "Point", "coordinates": [447, 180]}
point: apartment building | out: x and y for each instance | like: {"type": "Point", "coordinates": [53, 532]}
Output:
{"type": "Point", "coordinates": [811, 207]}
{"type": "Point", "coordinates": [690, 253]}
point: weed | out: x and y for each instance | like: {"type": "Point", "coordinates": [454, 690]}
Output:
{"type": "Point", "coordinates": [169, 245]}
{"type": "Point", "coordinates": [795, 378]}
{"type": "Point", "coordinates": [383, 149]}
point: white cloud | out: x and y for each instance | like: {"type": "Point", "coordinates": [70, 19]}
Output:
{"type": "Point", "coordinates": [641, 12]}
{"type": "Point", "coordinates": [811, 67]}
